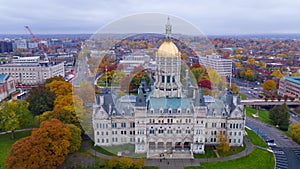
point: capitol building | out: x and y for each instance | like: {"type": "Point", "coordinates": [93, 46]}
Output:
{"type": "Point", "coordinates": [171, 119]}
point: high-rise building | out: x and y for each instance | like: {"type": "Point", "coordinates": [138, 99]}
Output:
{"type": "Point", "coordinates": [168, 119]}
{"type": "Point", "coordinates": [6, 46]}
{"type": "Point", "coordinates": [221, 65]}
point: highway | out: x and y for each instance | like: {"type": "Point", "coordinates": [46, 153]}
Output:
{"type": "Point", "coordinates": [288, 146]}
{"type": "Point", "coordinates": [295, 116]}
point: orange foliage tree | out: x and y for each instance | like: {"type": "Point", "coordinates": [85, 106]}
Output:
{"type": "Point", "coordinates": [45, 148]}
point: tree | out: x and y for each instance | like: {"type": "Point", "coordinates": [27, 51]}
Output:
{"type": "Point", "coordinates": [223, 144]}
{"type": "Point", "coordinates": [55, 78]}
{"type": "Point", "coordinates": [136, 80]}
{"type": "Point", "coordinates": [14, 115]}
{"type": "Point", "coordinates": [45, 148]}
{"type": "Point", "coordinates": [198, 73]}
{"type": "Point", "coordinates": [295, 131]}
{"type": "Point", "coordinates": [204, 84]}
{"type": "Point", "coordinates": [251, 61]}
{"type": "Point", "coordinates": [60, 88]}
{"type": "Point", "coordinates": [269, 85]}
{"type": "Point", "coordinates": [216, 79]}
{"type": "Point", "coordinates": [234, 88]}
{"type": "Point", "coordinates": [75, 140]}
{"type": "Point", "coordinates": [113, 162]}
{"type": "Point", "coordinates": [64, 110]}
{"type": "Point", "coordinates": [125, 163]}
{"type": "Point", "coordinates": [279, 115]}
{"type": "Point", "coordinates": [277, 73]}
{"type": "Point", "coordinates": [40, 100]}
{"type": "Point", "coordinates": [139, 163]}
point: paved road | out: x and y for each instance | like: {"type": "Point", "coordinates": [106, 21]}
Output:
{"type": "Point", "coordinates": [289, 147]}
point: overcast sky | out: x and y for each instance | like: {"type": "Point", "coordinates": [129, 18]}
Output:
{"type": "Point", "coordinates": [213, 17]}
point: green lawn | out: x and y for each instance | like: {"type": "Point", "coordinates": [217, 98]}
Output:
{"type": "Point", "coordinates": [255, 139]}
{"type": "Point", "coordinates": [5, 145]}
{"type": "Point", "coordinates": [242, 96]}
{"type": "Point", "coordinates": [257, 159]}
{"type": "Point", "coordinates": [232, 151]}
{"type": "Point", "coordinates": [100, 149]}
{"type": "Point", "coordinates": [263, 115]}
{"type": "Point", "coordinates": [113, 150]}
{"type": "Point", "coordinates": [209, 153]}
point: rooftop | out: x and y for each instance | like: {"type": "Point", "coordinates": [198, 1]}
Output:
{"type": "Point", "coordinates": [294, 79]}
{"type": "Point", "coordinates": [3, 77]}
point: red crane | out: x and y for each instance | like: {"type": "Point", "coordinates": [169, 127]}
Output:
{"type": "Point", "coordinates": [32, 35]}
{"type": "Point", "coordinates": [40, 45]}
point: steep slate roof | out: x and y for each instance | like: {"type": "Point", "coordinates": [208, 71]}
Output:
{"type": "Point", "coordinates": [167, 103]}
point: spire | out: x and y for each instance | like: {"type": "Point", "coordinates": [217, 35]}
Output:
{"type": "Point", "coordinates": [199, 101]}
{"type": "Point", "coordinates": [168, 29]}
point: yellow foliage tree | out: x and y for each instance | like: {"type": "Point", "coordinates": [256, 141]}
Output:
{"type": "Point", "coordinates": [251, 61]}
{"type": "Point", "coordinates": [277, 73]}
{"type": "Point", "coordinates": [139, 163]}
{"type": "Point", "coordinates": [223, 144]}
{"type": "Point", "coordinates": [125, 163]}
{"type": "Point", "coordinates": [269, 85]}
{"type": "Point", "coordinates": [295, 131]}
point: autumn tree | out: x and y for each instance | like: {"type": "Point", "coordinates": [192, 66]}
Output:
{"type": "Point", "coordinates": [75, 140]}
{"type": "Point", "coordinates": [277, 73]}
{"type": "Point", "coordinates": [60, 88]}
{"type": "Point", "coordinates": [113, 162]}
{"type": "Point", "coordinates": [40, 99]}
{"type": "Point", "coordinates": [251, 61]}
{"type": "Point", "coordinates": [295, 131]}
{"type": "Point", "coordinates": [234, 88]}
{"type": "Point", "coordinates": [45, 148]}
{"type": "Point", "coordinates": [125, 163]}
{"type": "Point", "coordinates": [136, 79]}
{"type": "Point", "coordinates": [269, 85]}
{"type": "Point", "coordinates": [55, 78]}
{"type": "Point", "coordinates": [198, 73]}
{"type": "Point", "coordinates": [139, 163]}
{"type": "Point", "coordinates": [14, 115]}
{"type": "Point", "coordinates": [217, 81]}
{"type": "Point", "coordinates": [223, 144]}
{"type": "Point", "coordinates": [204, 84]}
{"type": "Point", "coordinates": [279, 115]}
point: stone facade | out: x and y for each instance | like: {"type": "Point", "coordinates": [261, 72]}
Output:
{"type": "Point", "coordinates": [168, 118]}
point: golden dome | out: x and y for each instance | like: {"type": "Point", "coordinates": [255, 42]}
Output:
{"type": "Point", "coordinates": [168, 49]}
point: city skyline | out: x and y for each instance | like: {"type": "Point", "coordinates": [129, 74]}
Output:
{"type": "Point", "coordinates": [213, 18]}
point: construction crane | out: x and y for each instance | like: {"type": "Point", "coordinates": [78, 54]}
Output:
{"type": "Point", "coordinates": [32, 35]}
{"type": "Point", "coordinates": [40, 45]}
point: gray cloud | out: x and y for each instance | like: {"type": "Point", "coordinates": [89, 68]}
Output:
{"type": "Point", "coordinates": [212, 17]}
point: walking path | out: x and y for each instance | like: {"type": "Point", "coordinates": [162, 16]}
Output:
{"type": "Point", "coordinates": [15, 131]}
{"type": "Point", "coordinates": [178, 163]}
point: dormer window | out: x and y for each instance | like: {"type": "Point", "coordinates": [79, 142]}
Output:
{"type": "Point", "coordinates": [179, 111]}
{"type": "Point", "coordinates": [170, 111]}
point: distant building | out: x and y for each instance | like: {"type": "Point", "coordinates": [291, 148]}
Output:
{"type": "Point", "coordinates": [31, 70]}
{"type": "Point", "coordinates": [290, 86]}
{"type": "Point", "coordinates": [6, 46]}
{"type": "Point", "coordinates": [7, 86]}
{"type": "Point", "coordinates": [20, 44]}
{"type": "Point", "coordinates": [131, 61]}
{"type": "Point", "coordinates": [221, 65]}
